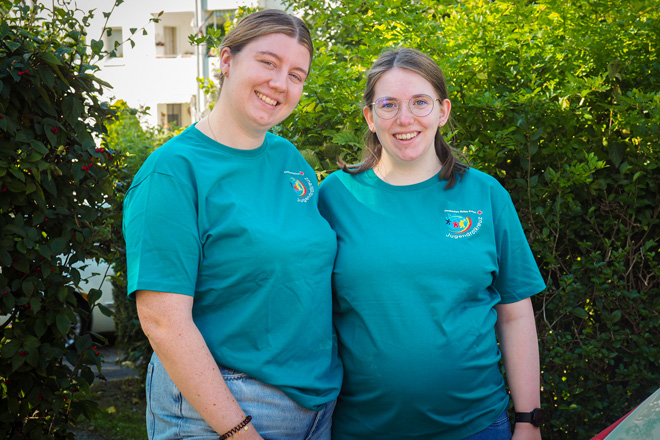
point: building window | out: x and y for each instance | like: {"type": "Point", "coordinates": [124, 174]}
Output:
{"type": "Point", "coordinates": [114, 37]}
{"type": "Point", "coordinates": [174, 114]}
{"type": "Point", "coordinates": [170, 40]}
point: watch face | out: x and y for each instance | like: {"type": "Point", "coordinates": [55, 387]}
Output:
{"type": "Point", "coordinates": [538, 417]}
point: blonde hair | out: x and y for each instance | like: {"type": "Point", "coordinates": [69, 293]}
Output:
{"type": "Point", "coordinates": [265, 22]}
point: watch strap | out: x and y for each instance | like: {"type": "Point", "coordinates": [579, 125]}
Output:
{"type": "Point", "coordinates": [535, 417]}
{"type": "Point", "coordinates": [525, 417]}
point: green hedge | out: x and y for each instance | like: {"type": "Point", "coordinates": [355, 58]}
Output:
{"type": "Point", "coordinates": [55, 181]}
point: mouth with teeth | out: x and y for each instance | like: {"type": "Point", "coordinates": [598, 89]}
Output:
{"type": "Point", "coordinates": [266, 99]}
{"type": "Point", "coordinates": [406, 136]}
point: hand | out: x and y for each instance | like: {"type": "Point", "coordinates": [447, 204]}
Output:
{"type": "Point", "coordinates": [526, 431]}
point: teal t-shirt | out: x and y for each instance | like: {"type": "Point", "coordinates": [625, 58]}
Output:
{"type": "Point", "coordinates": [240, 231]}
{"type": "Point", "coordinates": [418, 272]}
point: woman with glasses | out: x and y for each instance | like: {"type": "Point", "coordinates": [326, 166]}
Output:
{"type": "Point", "coordinates": [432, 267]}
{"type": "Point", "coordinates": [230, 261]}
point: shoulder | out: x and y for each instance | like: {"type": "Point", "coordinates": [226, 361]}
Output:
{"type": "Point", "coordinates": [338, 179]}
{"type": "Point", "coordinates": [474, 176]}
{"type": "Point", "coordinates": [475, 180]}
{"type": "Point", "coordinates": [171, 158]}
{"type": "Point", "coordinates": [278, 142]}
{"type": "Point", "coordinates": [177, 148]}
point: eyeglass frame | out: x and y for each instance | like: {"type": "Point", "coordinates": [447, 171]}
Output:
{"type": "Point", "coordinates": [409, 107]}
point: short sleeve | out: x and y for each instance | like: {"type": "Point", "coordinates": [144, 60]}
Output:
{"type": "Point", "coordinates": [160, 227]}
{"type": "Point", "coordinates": [518, 274]}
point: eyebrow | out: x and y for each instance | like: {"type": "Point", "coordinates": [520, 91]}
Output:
{"type": "Point", "coordinates": [278, 58]}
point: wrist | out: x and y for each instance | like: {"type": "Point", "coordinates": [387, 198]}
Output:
{"type": "Point", "coordinates": [535, 417]}
{"type": "Point", "coordinates": [238, 429]}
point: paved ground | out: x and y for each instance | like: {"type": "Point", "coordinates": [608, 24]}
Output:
{"type": "Point", "coordinates": [111, 368]}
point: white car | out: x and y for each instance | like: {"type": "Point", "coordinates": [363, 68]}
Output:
{"type": "Point", "coordinates": [97, 276]}
{"type": "Point", "coordinates": [93, 275]}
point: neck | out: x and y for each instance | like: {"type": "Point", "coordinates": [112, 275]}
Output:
{"type": "Point", "coordinates": [406, 174]}
{"type": "Point", "coordinates": [222, 127]}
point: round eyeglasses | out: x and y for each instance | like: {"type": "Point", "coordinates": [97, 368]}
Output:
{"type": "Point", "coordinates": [419, 105]}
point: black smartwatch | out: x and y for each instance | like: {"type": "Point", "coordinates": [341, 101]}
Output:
{"type": "Point", "coordinates": [536, 417]}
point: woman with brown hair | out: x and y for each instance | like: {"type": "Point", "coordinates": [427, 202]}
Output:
{"type": "Point", "coordinates": [432, 264]}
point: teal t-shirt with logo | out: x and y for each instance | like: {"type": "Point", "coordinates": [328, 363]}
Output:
{"type": "Point", "coordinates": [418, 272]}
{"type": "Point", "coordinates": [240, 231]}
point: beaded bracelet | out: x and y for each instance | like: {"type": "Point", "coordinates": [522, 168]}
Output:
{"type": "Point", "coordinates": [236, 429]}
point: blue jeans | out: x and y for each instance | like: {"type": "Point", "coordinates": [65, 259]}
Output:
{"type": "Point", "coordinates": [274, 415]}
{"type": "Point", "coordinates": [499, 430]}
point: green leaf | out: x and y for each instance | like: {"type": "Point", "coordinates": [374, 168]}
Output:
{"type": "Point", "coordinates": [580, 312]}
{"type": "Point", "coordinates": [94, 295]}
{"type": "Point", "coordinates": [58, 245]}
{"type": "Point", "coordinates": [63, 323]}
{"type": "Point", "coordinates": [51, 58]}
{"type": "Point", "coordinates": [616, 152]}
{"type": "Point", "coordinates": [10, 348]}
{"type": "Point", "coordinates": [105, 310]}
{"type": "Point", "coordinates": [17, 362]}
{"type": "Point", "coordinates": [15, 230]}
{"type": "Point", "coordinates": [311, 158]}
{"type": "Point", "coordinates": [615, 316]}
{"type": "Point", "coordinates": [12, 45]}
{"type": "Point", "coordinates": [72, 108]}
{"type": "Point", "coordinates": [40, 328]}
{"type": "Point", "coordinates": [5, 258]}
{"type": "Point", "coordinates": [97, 46]}
{"type": "Point", "coordinates": [28, 287]}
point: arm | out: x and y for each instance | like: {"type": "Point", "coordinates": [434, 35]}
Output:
{"type": "Point", "coordinates": [166, 319]}
{"type": "Point", "coordinates": [516, 330]}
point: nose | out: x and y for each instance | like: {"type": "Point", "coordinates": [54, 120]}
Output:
{"type": "Point", "coordinates": [405, 116]}
{"type": "Point", "coordinates": [278, 81]}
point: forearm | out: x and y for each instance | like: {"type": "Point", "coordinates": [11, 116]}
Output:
{"type": "Point", "coordinates": [183, 352]}
{"type": "Point", "coordinates": [516, 329]}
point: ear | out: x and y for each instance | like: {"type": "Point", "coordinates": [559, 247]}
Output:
{"type": "Point", "coordinates": [225, 60]}
{"type": "Point", "coordinates": [369, 116]}
{"type": "Point", "coordinates": [445, 109]}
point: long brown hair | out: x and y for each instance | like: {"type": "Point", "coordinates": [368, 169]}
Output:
{"type": "Point", "coordinates": [423, 65]}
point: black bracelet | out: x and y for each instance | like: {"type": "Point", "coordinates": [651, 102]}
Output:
{"type": "Point", "coordinates": [236, 429]}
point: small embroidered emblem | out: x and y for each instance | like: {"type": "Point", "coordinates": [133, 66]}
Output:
{"type": "Point", "coordinates": [464, 223]}
{"type": "Point", "coordinates": [298, 187]}
{"type": "Point", "coordinates": [458, 224]}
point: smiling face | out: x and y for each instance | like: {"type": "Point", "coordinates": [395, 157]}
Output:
{"type": "Point", "coordinates": [263, 82]}
{"type": "Point", "coordinates": [407, 140]}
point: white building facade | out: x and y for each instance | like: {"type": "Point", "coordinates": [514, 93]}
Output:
{"type": "Point", "coordinates": [161, 70]}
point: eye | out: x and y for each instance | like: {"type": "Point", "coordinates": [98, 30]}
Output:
{"type": "Point", "coordinates": [297, 78]}
{"type": "Point", "coordinates": [387, 104]}
{"type": "Point", "coordinates": [268, 63]}
{"type": "Point", "coordinates": [421, 102]}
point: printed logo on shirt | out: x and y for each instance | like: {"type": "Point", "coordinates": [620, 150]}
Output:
{"type": "Point", "coordinates": [298, 187]}
{"type": "Point", "coordinates": [302, 188]}
{"type": "Point", "coordinates": [463, 223]}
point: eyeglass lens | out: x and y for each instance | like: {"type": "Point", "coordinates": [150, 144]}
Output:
{"type": "Point", "coordinates": [419, 105]}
